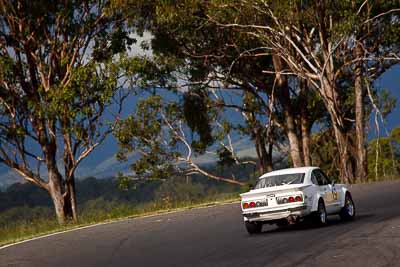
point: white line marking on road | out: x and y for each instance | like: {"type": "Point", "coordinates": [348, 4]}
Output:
{"type": "Point", "coordinates": [115, 221]}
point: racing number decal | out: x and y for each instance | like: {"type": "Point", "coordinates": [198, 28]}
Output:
{"type": "Point", "coordinates": [335, 194]}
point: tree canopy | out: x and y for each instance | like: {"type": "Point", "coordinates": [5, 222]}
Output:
{"type": "Point", "coordinates": [58, 76]}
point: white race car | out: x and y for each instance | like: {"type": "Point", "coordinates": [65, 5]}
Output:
{"type": "Point", "coordinates": [288, 196]}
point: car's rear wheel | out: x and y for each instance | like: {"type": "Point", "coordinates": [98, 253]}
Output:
{"type": "Point", "coordinates": [320, 216]}
{"type": "Point", "coordinates": [253, 227]}
{"type": "Point", "coordinates": [348, 212]}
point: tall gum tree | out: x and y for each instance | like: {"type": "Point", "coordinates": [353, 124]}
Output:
{"type": "Point", "coordinates": [230, 58]}
{"type": "Point", "coordinates": [58, 78]}
{"type": "Point", "coordinates": [282, 91]}
{"type": "Point", "coordinates": [377, 37]}
{"type": "Point", "coordinates": [316, 40]}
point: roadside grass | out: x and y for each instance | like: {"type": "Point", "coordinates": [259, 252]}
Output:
{"type": "Point", "coordinates": [99, 211]}
{"type": "Point", "coordinates": [372, 179]}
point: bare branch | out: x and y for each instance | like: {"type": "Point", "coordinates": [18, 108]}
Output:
{"type": "Point", "coordinates": [382, 14]}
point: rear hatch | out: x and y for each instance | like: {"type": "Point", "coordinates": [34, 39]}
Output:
{"type": "Point", "coordinates": [266, 198]}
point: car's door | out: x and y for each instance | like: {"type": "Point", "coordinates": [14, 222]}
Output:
{"type": "Point", "coordinates": [333, 193]}
{"type": "Point", "coordinates": [331, 198]}
{"type": "Point", "coordinates": [320, 184]}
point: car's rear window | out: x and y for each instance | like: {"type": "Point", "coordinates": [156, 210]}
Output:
{"type": "Point", "coordinates": [283, 179]}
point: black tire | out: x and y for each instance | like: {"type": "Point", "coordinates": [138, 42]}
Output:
{"type": "Point", "coordinates": [320, 216]}
{"type": "Point", "coordinates": [253, 227]}
{"type": "Point", "coordinates": [348, 212]}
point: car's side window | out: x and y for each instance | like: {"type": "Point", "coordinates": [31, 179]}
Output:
{"type": "Point", "coordinates": [314, 179]}
{"type": "Point", "coordinates": [322, 179]}
{"type": "Point", "coordinates": [317, 177]}
{"type": "Point", "coordinates": [328, 181]}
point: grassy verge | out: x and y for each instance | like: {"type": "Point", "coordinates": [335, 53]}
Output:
{"type": "Point", "coordinates": [20, 230]}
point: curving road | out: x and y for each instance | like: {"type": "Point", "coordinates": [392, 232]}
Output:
{"type": "Point", "coordinates": [215, 236]}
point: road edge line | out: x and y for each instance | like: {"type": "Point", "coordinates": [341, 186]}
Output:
{"type": "Point", "coordinates": [205, 206]}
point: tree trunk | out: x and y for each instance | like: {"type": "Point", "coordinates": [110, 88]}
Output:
{"type": "Point", "coordinates": [64, 199]}
{"type": "Point", "coordinates": [333, 103]}
{"type": "Point", "coordinates": [306, 140]}
{"type": "Point", "coordinates": [56, 193]}
{"type": "Point", "coordinates": [346, 168]}
{"type": "Point", "coordinates": [294, 143]}
{"type": "Point", "coordinates": [72, 198]}
{"type": "Point", "coordinates": [263, 159]}
{"type": "Point", "coordinates": [266, 156]}
{"type": "Point", "coordinates": [270, 166]}
{"type": "Point", "coordinates": [305, 126]}
{"type": "Point", "coordinates": [262, 153]}
{"type": "Point", "coordinates": [69, 204]}
{"type": "Point", "coordinates": [258, 151]}
{"type": "Point", "coordinates": [361, 153]}
{"type": "Point", "coordinates": [290, 126]}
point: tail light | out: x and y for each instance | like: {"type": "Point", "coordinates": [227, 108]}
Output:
{"type": "Point", "coordinates": [289, 199]}
{"type": "Point", "coordinates": [255, 204]}
{"type": "Point", "coordinates": [298, 198]}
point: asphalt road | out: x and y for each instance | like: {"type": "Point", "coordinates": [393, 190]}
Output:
{"type": "Point", "coordinates": [215, 236]}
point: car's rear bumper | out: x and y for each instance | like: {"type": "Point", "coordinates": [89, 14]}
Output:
{"type": "Point", "coordinates": [272, 215]}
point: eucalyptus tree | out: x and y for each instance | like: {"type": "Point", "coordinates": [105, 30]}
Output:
{"type": "Point", "coordinates": [220, 59]}
{"type": "Point", "coordinates": [318, 41]}
{"type": "Point", "coordinates": [264, 47]}
{"type": "Point", "coordinates": [204, 68]}
{"type": "Point", "coordinates": [58, 79]}
{"type": "Point", "coordinates": [240, 59]}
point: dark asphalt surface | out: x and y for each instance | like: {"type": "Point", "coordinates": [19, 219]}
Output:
{"type": "Point", "coordinates": [215, 236]}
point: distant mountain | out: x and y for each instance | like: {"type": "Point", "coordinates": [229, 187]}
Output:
{"type": "Point", "coordinates": [8, 177]}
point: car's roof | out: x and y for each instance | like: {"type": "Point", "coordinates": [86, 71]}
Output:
{"type": "Point", "coordinates": [289, 171]}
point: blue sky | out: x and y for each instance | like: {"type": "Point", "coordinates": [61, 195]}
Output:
{"type": "Point", "coordinates": [391, 80]}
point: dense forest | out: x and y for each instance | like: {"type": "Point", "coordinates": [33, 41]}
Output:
{"type": "Point", "coordinates": [296, 78]}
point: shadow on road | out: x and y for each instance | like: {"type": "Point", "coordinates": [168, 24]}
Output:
{"type": "Point", "coordinates": [307, 225]}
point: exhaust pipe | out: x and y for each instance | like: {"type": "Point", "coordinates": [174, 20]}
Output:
{"type": "Point", "coordinates": [292, 219]}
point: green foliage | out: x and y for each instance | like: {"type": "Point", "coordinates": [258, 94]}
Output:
{"type": "Point", "coordinates": [196, 114]}
{"type": "Point", "coordinates": [387, 102]}
{"type": "Point", "coordinates": [165, 135]}
{"type": "Point", "coordinates": [387, 164]}
{"type": "Point", "coordinates": [225, 157]}
{"type": "Point", "coordinates": [324, 153]}
{"type": "Point", "coordinates": [173, 191]}
{"type": "Point", "coordinates": [395, 135]}
{"type": "Point", "coordinates": [60, 74]}
{"type": "Point", "coordinates": [25, 215]}
{"type": "Point", "coordinates": [143, 132]}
